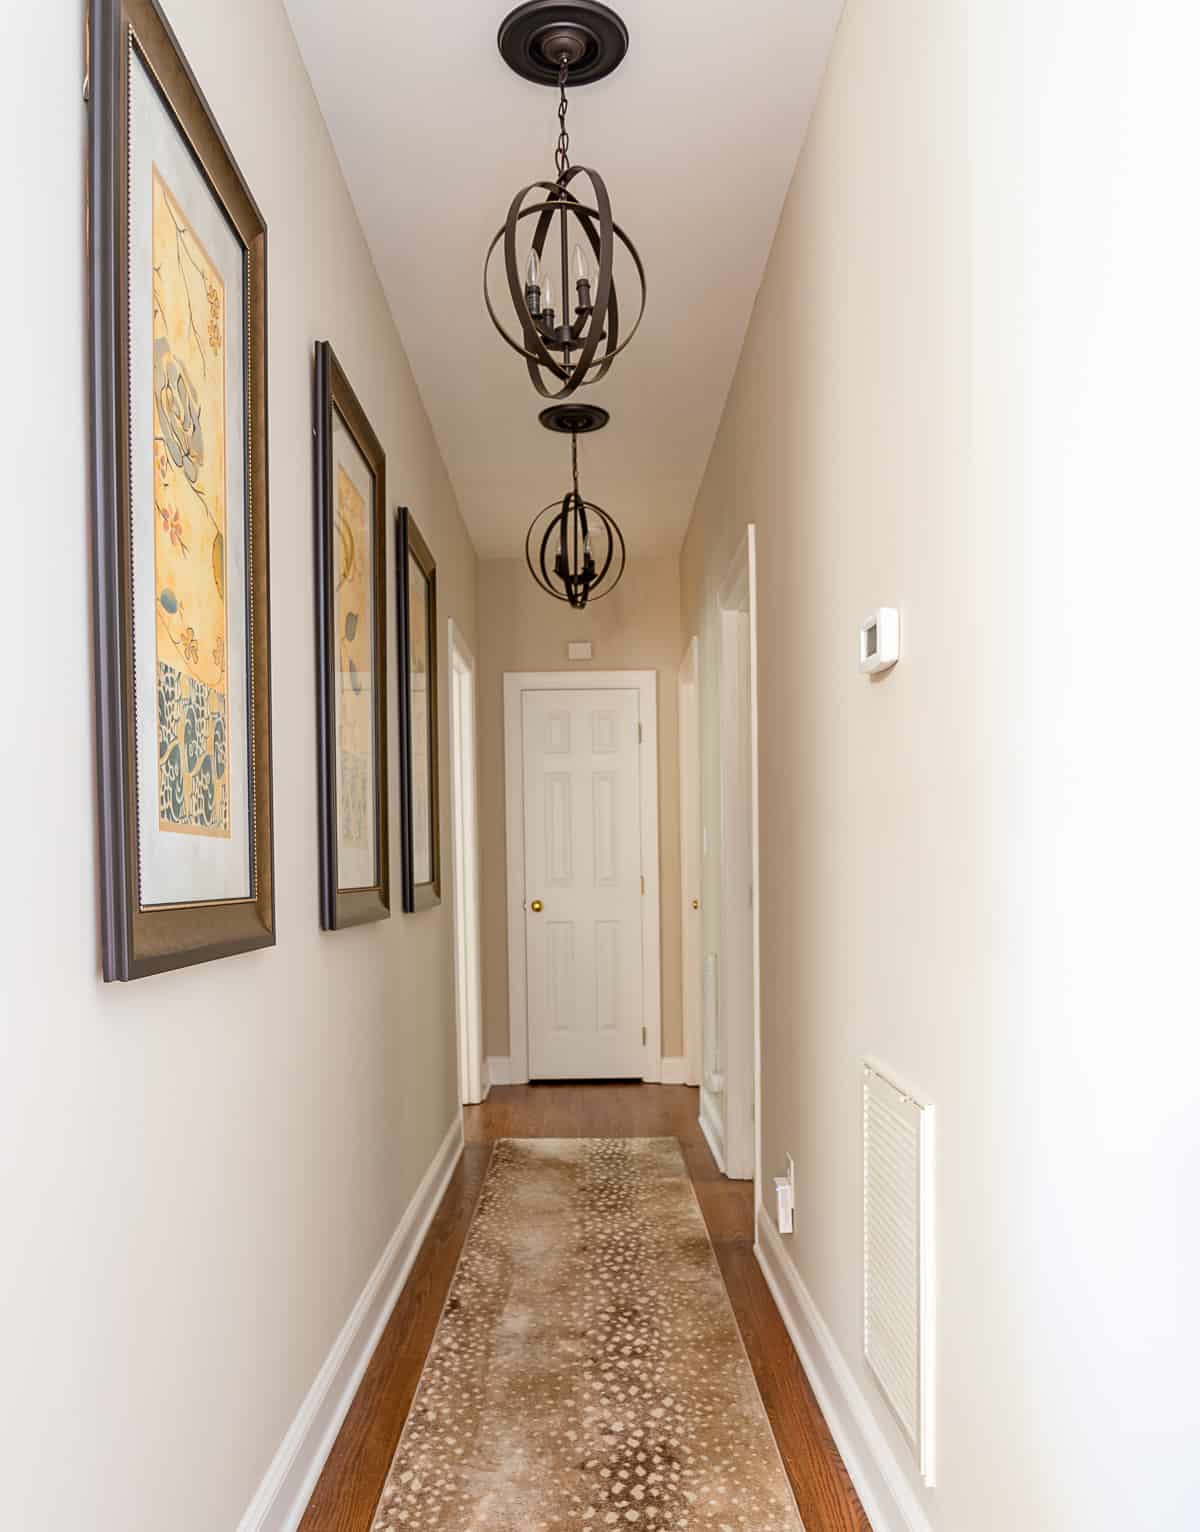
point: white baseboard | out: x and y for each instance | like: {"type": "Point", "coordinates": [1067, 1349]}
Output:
{"type": "Point", "coordinates": [713, 1134]}
{"type": "Point", "coordinates": [499, 1072]}
{"type": "Point", "coordinates": [674, 1072]}
{"type": "Point", "coordinates": [879, 1477]}
{"type": "Point", "coordinates": [287, 1486]}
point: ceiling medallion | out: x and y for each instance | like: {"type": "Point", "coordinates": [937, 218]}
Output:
{"type": "Point", "coordinates": [570, 245]}
{"type": "Point", "coordinates": [574, 548]}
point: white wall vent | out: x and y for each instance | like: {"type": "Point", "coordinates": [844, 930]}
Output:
{"type": "Point", "coordinates": [898, 1263]}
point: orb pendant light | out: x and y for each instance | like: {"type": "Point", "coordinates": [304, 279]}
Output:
{"type": "Point", "coordinates": [574, 548]}
{"type": "Point", "coordinates": [558, 248]}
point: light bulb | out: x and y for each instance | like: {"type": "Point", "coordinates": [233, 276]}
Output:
{"type": "Point", "coordinates": [583, 272]}
{"type": "Point", "coordinates": [533, 296]}
{"type": "Point", "coordinates": [548, 293]}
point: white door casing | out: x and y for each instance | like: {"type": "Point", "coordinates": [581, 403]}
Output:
{"type": "Point", "coordinates": [582, 832]}
{"type": "Point", "coordinates": [691, 861]}
{"type": "Point", "coordinates": [755, 855]}
{"type": "Point", "coordinates": [464, 820]}
{"type": "Point", "coordinates": [738, 942]}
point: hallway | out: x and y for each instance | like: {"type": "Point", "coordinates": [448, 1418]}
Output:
{"type": "Point", "coordinates": [350, 1486]}
{"type": "Point", "coordinates": [630, 541]}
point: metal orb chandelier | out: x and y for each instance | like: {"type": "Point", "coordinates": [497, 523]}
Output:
{"type": "Point", "coordinates": [574, 548]}
{"type": "Point", "coordinates": [568, 244]}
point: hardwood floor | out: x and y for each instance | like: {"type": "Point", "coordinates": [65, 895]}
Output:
{"type": "Point", "coordinates": [352, 1481]}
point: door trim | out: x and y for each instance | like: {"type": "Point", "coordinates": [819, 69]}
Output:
{"type": "Point", "coordinates": [691, 861]}
{"type": "Point", "coordinates": [464, 822]}
{"type": "Point", "coordinates": [738, 791]}
{"type": "Point", "coordinates": [645, 682]}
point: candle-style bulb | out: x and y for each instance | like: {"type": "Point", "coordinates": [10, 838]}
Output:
{"type": "Point", "coordinates": [548, 293]}
{"type": "Point", "coordinates": [533, 293]}
{"type": "Point", "coordinates": [583, 281]}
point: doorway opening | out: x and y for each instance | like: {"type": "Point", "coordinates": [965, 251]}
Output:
{"type": "Point", "coordinates": [731, 1095]}
{"type": "Point", "coordinates": [465, 832]}
{"type": "Point", "coordinates": [691, 862]}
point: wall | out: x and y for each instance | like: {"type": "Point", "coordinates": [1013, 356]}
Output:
{"type": "Point", "coordinates": [520, 628]}
{"type": "Point", "coordinates": [198, 1171]}
{"type": "Point", "coordinates": [968, 389]}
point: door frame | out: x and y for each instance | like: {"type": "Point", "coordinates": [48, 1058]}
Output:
{"type": "Point", "coordinates": [645, 682]}
{"type": "Point", "coordinates": [464, 824]}
{"type": "Point", "coordinates": [691, 863]}
{"type": "Point", "coordinates": [738, 797]}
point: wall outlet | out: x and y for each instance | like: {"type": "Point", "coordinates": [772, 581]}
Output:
{"type": "Point", "coordinates": [785, 1198]}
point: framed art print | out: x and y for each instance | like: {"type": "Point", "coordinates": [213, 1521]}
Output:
{"type": "Point", "coordinates": [177, 251]}
{"type": "Point", "coordinates": [352, 654]}
{"type": "Point", "coordinates": [416, 598]}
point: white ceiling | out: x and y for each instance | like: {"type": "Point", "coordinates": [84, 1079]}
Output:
{"type": "Point", "coordinates": [696, 136]}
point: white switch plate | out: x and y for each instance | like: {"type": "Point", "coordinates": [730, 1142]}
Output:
{"type": "Point", "coordinates": [579, 651]}
{"type": "Point", "coordinates": [879, 640]}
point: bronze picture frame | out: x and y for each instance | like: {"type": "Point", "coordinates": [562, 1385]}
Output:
{"type": "Point", "coordinates": [351, 557]}
{"type": "Point", "coordinates": [183, 752]}
{"type": "Point", "coordinates": [416, 574]}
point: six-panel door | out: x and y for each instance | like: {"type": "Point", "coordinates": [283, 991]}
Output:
{"type": "Point", "coordinates": [583, 867]}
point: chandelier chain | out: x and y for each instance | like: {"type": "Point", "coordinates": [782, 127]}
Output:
{"type": "Point", "coordinates": [575, 463]}
{"type": "Point", "coordinates": [562, 160]}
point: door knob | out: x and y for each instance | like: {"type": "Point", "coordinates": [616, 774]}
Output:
{"type": "Point", "coordinates": [695, 904]}
{"type": "Point", "coordinates": [536, 906]}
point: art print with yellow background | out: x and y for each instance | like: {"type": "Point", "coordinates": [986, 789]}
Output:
{"type": "Point", "coordinates": [192, 690]}
{"type": "Point", "coordinates": [355, 702]}
{"type": "Point", "coordinates": [418, 680]}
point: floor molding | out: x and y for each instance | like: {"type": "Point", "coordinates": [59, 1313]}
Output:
{"type": "Point", "coordinates": [712, 1135]}
{"type": "Point", "coordinates": [887, 1496]}
{"type": "Point", "coordinates": [674, 1071]}
{"type": "Point", "coordinates": [499, 1072]}
{"type": "Point", "coordinates": [287, 1486]}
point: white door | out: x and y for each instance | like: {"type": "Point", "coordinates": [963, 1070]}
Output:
{"type": "Point", "coordinates": [464, 822]}
{"type": "Point", "coordinates": [690, 859]}
{"type": "Point", "coordinates": [583, 884]}
{"type": "Point", "coordinates": [738, 979]}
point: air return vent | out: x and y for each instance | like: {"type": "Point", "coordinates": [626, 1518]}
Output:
{"type": "Point", "coordinates": [898, 1322]}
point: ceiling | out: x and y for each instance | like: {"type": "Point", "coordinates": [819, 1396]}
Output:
{"type": "Point", "coordinates": [696, 135]}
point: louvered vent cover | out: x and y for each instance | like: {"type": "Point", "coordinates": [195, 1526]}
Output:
{"type": "Point", "coordinates": [898, 1329]}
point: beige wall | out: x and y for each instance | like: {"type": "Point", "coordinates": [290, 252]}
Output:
{"type": "Point", "coordinates": [968, 390]}
{"type": "Point", "coordinates": [198, 1171]}
{"type": "Point", "coordinates": [521, 628]}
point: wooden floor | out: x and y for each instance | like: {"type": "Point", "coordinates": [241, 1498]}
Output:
{"type": "Point", "coordinates": [349, 1488]}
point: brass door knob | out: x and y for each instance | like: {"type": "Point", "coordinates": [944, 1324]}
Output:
{"type": "Point", "coordinates": [536, 906]}
{"type": "Point", "coordinates": [695, 904]}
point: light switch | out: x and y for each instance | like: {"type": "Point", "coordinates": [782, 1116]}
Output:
{"type": "Point", "coordinates": [879, 640]}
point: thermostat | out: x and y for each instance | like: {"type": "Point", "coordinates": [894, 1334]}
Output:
{"type": "Point", "coordinates": [879, 640]}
